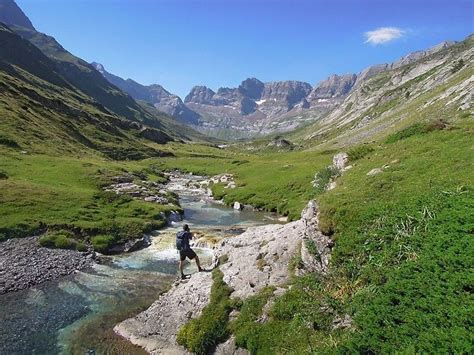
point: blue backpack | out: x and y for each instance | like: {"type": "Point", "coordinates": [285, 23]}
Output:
{"type": "Point", "coordinates": [182, 240]}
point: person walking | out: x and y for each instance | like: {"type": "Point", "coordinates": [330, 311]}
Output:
{"type": "Point", "coordinates": [182, 244]}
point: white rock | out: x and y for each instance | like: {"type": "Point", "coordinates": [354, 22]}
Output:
{"type": "Point", "coordinates": [340, 160]}
{"type": "Point", "coordinates": [374, 171]}
{"type": "Point", "coordinates": [238, 206]}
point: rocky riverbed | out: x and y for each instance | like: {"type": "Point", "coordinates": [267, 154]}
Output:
{"type": "Point", "coordinates": [23, 263]}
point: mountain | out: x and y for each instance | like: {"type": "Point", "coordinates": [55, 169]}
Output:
{"type": "Point", "coordinates": [155, 94]}
{"type": "Point", "coordinates": [437, 83]}
{"type": "Point", "coordinates": [252, 109]}
{"type": "Point", "coordinates": [82, 76]}
{"type": "Point", "coordinates": [41, 112]}
{"type": "Point", "coordinates": [11, 14]}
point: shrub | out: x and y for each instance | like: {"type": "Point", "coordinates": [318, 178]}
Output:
{"type": "Point", "coordinates": [457, 66]}
{"type": "Point", "coordinates": [8, 142]}
{"type": "Point", "coordinates": [61, 240]}
{"type": "Point", "coordinates": [3, 175]}
{"type": "Point", "coordinates": [324, 177]}
{"type": "Point", "coordinates": [102, 242]}
{"type": "Point", "coordinates": [200, 334]}
{"type": "Point", "coordinates": [417, 129]}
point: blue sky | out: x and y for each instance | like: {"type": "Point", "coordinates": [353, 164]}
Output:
{"type": "Point", "coordinates": [182, 43]}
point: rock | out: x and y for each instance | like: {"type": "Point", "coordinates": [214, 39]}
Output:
{"type": "Point", "coordinates": [238, 206]}
{"type": "Point", "coordinates": [374, 171]}
{"type": "Point", "coordinates": [200, 95]}
{"type": "Point", "coordinates": [310, 211]}
{"type": "Point", "coordinates": [156, 136]}
{"type": "Point", "coordinates": [335, 86]}
{"type": "Point", "coordinates": [340, 160]}
{"type": "Point", "coordinates": [230, 348]}
{"type": "Point", "coordinates": [342, 323]}
{"type": "Point", "coordinates": [332, 185]}
{"type": "Point", "coordinates": [131, 245]}
{"type": "Point", "coordinates": [231, 185]}
{"type": "Point", "coordinates": [155, 329]}
{"type": "Point", "coordinates": [174, 216]}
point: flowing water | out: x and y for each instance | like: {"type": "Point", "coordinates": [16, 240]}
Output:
{"type": "Point", "coordinates": [76, 314]}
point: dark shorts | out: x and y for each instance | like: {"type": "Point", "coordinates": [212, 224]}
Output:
{"type": "Point", "coordinates": [187, 253]}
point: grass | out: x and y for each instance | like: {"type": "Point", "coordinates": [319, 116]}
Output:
{"type": "Point", "coordinates": [279, 182]}
{"type": "Point", "coordinates": [199, 335]}
{"type": "Point", "coordinates": [401, 261]}
{"type": "Point", "coordinates": [66, 193]}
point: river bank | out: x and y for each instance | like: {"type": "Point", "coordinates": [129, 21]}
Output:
{"type": "Point", "coordinates": [24, 263]}
{"type": "Point", "coordinates": [76, 313]}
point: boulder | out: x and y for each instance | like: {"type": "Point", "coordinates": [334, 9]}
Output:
{"type": "Point", "coordinates": [374, 171]}
{"type": "Point", "coordinates": [340, 161]}
{"type": "Point", "coordinates": [238, 206]}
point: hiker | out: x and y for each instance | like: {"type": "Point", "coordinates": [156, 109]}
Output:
{"type": "Point", "coordinates": [182, 244]}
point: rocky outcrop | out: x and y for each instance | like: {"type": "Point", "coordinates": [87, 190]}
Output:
{"type": "Point", "coordinates": [23, 263]}
{"type": "Point", "coordinates": [333, 87]}
{"type": "Point", "coordinates": [257, 258]}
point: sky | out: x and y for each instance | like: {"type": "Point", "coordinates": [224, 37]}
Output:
{"type": "Point", "coordinates": [219, 43]}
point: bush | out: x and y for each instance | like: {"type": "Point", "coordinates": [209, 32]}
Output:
{"type": "Point", "coordinates": [102, 242]}
{"type": "Point", "coordinates": [199, 335]}
{"type": "Point", "coordinates": [417, 129]}
{"type": "Point", "coordinates": [3, 175]}
{"type": "Point", "coordinates": [324, 177]}
{"type": "Point", "coordinates": [8, 142]}
{"type": "Point", "coordinates": [61, 240]}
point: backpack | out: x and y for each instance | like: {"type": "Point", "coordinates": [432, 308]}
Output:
{"type": "Point", "coordinates": [182, 240]}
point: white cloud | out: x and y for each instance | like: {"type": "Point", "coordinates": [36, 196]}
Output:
{"type": "Point", "coordinates": [383, 35]}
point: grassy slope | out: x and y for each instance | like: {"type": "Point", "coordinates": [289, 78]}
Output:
{"type": "Point", "coordinates": [61, 191]}
{"type": "Point", "coordinates": [401, 261]}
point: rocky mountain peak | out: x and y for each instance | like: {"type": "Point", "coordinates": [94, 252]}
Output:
{"type": "Point", "coordinates": [200, 95]}
{"type": "Point", "coordinates": [252, 88]}
{"type": "Point", "coordinates": [333, 86]}
{"type": "Point", "coordinates": [291, 92]}
{"type": "Point", "coordinates": [11, 14]}
{"type": "Point", "coordinates": [99, 67]}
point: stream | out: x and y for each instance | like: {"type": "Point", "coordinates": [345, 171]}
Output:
{"type": "Point", "coordinates": [76, 314]}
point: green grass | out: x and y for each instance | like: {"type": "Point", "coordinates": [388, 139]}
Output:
{"type": "Point", "coordinates": [66, 192]}
{"type": "Point", "coordinates": [279, 182]}
{"type": "Point", "coordinates": [401, 262]}
{"type": "Point", "coordinates": [199, 335]}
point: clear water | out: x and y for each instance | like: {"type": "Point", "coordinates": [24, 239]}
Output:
{"type": "Point", "coordinates": [76, 314]}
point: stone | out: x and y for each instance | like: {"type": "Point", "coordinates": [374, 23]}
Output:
{"type": "Point", "coordinates": [374, 171]}
{"type": "Point", "coordinates": [238, 206]}
{"type": "Point", "coordinates": [340, 160]}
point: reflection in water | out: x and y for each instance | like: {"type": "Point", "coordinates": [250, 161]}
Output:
{"type": "Point", "coordinates": [77, 314]}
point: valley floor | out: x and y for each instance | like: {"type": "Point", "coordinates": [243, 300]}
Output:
{"type": "Point", "coordinates": [401, 222]}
